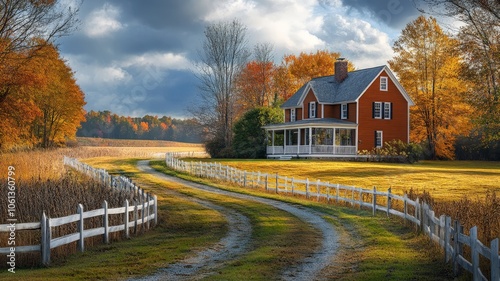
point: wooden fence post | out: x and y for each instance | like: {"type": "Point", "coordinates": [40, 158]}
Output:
{"type": "Point", "coordinates": [148, 198]}
{"type": "Point", "coordinates": [267, 187]}
{"type": "Point", "coordinates": [457, 248]}
{"type": "Point", "coordinates": [374, 201]}
{"type": "Point", "coordinates": [328, 192]}
{"type": "Point", "coordinates": [81, 242]}
{"type": "Point", "coordinates": [474, 253]}
{"type": "Point", "coordinates": [447, 231]}
{"type": "Point", "coordinates": [277, 183]}
{"type": "Point", "coordinates": [360, 198]}
{"type": "Point", "coordinates": [317, 190]}
{"type": "Point", "coordinates": [307, 188]}
{"type": "Point", "coordinates": [45, 240]}
{"type": "Point", "coordinates": [405, 207]}
{"type": "Point", "coordinates": [136, 215]}
{"type": "Point", "coordinates": [155, 208]}
{"type": "Point", "coordinates": [245, 179]}
{"type": "Point", "coordinates": [388, 200]}
{"type": "Point", "coordinates": [337, 194]}
{"type": "Point", "coordinates": [494, 260]}
{"type": "Point", "coordinates": [142, 211]}
{"type": "Point", "coordinates": [105, 222]}
{"type": "Point", "coordinates": [125, 219]}
{"type": "Point", "coordinates": [417, 213]}
{"type": "Point", "coordinates": [293, 188]}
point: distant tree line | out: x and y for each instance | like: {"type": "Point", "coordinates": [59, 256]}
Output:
{"type": "Point", "coordinates": [104, 124]}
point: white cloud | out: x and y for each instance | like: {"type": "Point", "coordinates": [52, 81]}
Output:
{"type": "Point", "coordinates": [167, 61]}
{"type": "Point", "coordinates": [357, 40]}
{"type": "Point", "coordinates": [290, 25]}
{"type": "Point", "coordinates": [102, 21]}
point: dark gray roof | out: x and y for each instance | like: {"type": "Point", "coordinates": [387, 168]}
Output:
{"type": "Point", "coordinates": [328, 90]}
{"type": "Point", "coordinates": [314, 121]}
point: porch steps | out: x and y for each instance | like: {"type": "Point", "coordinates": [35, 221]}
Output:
{"type": "Point", "coordinates": [285, 157]}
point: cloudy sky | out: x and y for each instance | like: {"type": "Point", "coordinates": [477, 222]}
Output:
{"type": "Point", "coordinates": [137, 57]}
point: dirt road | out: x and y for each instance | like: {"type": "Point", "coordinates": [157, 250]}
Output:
{"type": "Point", "coordinates": [235, 243]}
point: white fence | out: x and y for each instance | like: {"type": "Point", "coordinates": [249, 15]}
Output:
{"type": "Point", "coordinates": [448, 235]}
{"type": "Point", "coordinates": [143, 211]}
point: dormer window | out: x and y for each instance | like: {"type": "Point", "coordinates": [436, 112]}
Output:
{"type": "Point", "coordinates": [312, 109]}
{"type": "Point", "coordinates": [383, 83]}
{"type": "Point", "coordinates": [292, 115]}
{"type": "Point", "coordinates": [344, 113]}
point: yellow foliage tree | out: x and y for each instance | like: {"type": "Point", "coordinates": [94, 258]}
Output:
{"type": "Point", "coordinates": [428, 66]}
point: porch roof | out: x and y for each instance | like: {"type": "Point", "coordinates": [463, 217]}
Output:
{"type": "Point", "coordinates": [318, 122]}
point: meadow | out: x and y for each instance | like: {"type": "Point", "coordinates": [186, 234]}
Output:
{"type": "Point", "coordinates": [372, 246]}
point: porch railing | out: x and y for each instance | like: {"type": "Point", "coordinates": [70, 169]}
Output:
{"type": "Point", "coordinates": [314, 149]}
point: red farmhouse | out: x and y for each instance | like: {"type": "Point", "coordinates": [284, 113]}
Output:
{"type": "Point", "coordinates": [342, 114]}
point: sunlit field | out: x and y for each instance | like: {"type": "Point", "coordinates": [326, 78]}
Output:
{"type": "Point", "coordinates": [444, 180]}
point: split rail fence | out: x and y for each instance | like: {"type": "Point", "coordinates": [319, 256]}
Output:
{"type": "Point", "coordinates": [137, 214]}
{"type": "Point", "coordinates": [449, 235]}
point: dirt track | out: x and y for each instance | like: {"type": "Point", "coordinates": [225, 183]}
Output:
{"type": "Point", "coordinates": [235, 242]}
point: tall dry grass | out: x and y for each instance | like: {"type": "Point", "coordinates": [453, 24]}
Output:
{"type": "Point", "coordinates": [44, 184]}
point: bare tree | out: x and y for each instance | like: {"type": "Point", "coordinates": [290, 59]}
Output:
{"type": "Point", "coordinates": [223, 55]}
{"type": "Point", "coordinates": [264, 57]}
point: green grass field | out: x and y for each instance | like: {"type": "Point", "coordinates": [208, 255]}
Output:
{"type": "Point", "coordinates": [445, 180]}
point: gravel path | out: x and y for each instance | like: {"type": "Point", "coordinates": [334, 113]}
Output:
{"type": "Point", "coordinates": [307, 269]}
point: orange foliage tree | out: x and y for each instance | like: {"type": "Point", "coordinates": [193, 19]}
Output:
{"type": "Point", "coordinates": [428, 66]}
{"type": "Point", "coordinates": [58, 97]}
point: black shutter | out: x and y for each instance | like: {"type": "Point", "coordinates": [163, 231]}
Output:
{"type": "Point", "coordinates": [373, 110]}
{"type": "Point", "coordinates": [375, 140]}
{"type": "Point", "coordinates": [347, 109]}
{"type": "Point", "coordinates": [316, 111]}
{"type": "Point", "coordinates": [382, 111]}
{"type": "Point", "coordinates": [391, 109]}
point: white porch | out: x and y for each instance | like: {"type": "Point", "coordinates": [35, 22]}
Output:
{"type": "Point", "coordinates": [316, 138]}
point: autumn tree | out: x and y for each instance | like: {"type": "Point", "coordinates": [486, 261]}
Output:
{"type": "Point", "coordinates": [22, 24]}
{"type": "Point", "coordinates": [223, 56]}
{"type": "Point", "coordinates": [479, 37]}
{"type": "Point", "coordinates": [58, 97]}
{"type": "Point", "coordinates": [295, 71]}
{"type": "Point", "coordinates": [254, 83]}
{"type": "Point", "coordinates": [428, 66]}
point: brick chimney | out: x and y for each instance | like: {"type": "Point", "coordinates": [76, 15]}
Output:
{"type": "Point", "coordinates": [340, 69]}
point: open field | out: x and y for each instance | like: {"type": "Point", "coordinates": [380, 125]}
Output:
{"type": "Point", "coordinates": [444, 180]}
{"type": "Point", "coordinates": [133, 143]}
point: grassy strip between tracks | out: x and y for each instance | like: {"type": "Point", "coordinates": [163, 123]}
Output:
{"type": "Point", "coordinates": [372, 248]}
{"type": "Point", "coordinates": [183, 227]}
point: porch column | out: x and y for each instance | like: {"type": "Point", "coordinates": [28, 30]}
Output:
{"type": "Point", "coordinates": [333, 144]}
{"type": "Point", "coordinates": [298, 141]}
{"type": "Point", "coordinates": [310, 140]}
{"type": "Point", "coordinates": [273, 141]}
{"type": "Point", "coordinates": [284, 141]}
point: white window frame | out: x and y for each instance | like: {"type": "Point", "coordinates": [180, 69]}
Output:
{"type": "Point", "coordinates": [293, 117]}
{"type": "Point", "coordinates": [381, 137]}
{"type": "Point", "coordinates": [344, 111]}
{"type": "Point", "coordinates": [380, 110]}
{"type": "Point", "coordinates": [384, 83]}
{"type": "Point", "coordinates": [387, 110]}
{"type": "Point", "coordinates": [312, 109]}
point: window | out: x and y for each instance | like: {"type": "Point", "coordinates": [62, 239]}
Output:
{"type": "Point", "coordinates": [312, 109]}
{"type": "Point", "coordinates": [378, 139]}
{"type": "Point", "coordinates": [377, 110]}
{"type": "Point", "coordinates": [292, 115]}
{"type": "Point", "coordinates": [344, 113]}
{"type": "Point", "coordinates": [383, 83]}
{"type": "Point", "coordinates": [387, 110]}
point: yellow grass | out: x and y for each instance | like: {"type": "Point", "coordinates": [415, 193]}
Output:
{"type": "Point", "coordinates": [446, 181]}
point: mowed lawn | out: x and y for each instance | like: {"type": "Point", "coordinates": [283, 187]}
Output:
{"type": "Point", "coordinates": [445, 180]}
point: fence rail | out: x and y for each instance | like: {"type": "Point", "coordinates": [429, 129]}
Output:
{"type": "Point", "coordinates": [450, 236]}
{"type": "Point", "coordinates": [143, 212]}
